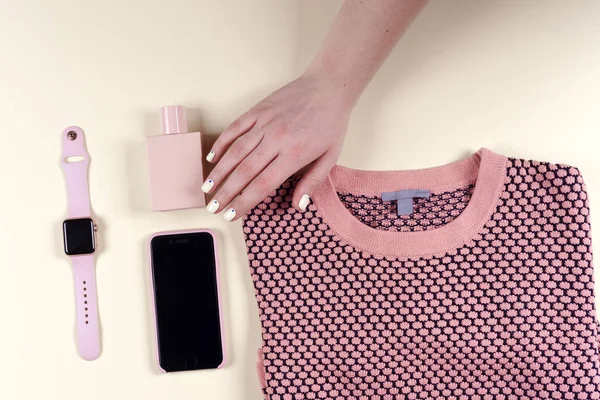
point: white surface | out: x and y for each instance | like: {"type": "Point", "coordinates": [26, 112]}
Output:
{"type": "Point", "coordinates": [522, 78]}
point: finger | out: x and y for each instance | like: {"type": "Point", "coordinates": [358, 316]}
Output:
{"type": "Point", "coordinates": [237, 128]}
{"type": "Point", "coordinates": [241, 177]}
{"type": "Point", "coordinates": [230, 160]}
{"type": "Point", "coordinates": [311, 180]}
{"type": "Point", "coordinates": [264, 184]}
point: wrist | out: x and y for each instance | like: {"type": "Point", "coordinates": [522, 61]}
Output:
{"type": "Point", "coordinates": [344, 87]}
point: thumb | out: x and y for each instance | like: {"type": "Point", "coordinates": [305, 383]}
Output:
{"type": "Point", "coordinates": [312, 179]}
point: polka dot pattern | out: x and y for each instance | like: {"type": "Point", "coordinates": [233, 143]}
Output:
{"type": "Point", "coordinates": [438, 210]}
{"type": "Point", "coordinates": [509, 315]}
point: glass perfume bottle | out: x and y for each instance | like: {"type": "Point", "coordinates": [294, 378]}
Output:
{"type": "Point", "coordinates": [175, 160]}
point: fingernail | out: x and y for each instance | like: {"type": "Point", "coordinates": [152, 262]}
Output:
{"type": "Point", "coordinates": [229, 214]}
{"type": "Point", "coordinates": [210, 156]}
{"type": "Point", "coordinates": [304, 202]}
{"type": "Point", "coordinates": [212, 207]}
{"type": "Point", "coordinates": [207, 186]}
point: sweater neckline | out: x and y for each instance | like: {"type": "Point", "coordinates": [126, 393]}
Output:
{"type": "Point", "coordinates": [486, 169]}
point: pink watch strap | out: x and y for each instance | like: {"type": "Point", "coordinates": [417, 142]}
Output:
{"type": "Point", "coordinates": [75, 162]}
{"type": "Point", "coordinates": [88, 332]}
{"type": "Point", "coordinates": [76, 173]}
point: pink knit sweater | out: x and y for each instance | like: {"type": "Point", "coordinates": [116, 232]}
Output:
{"type": "Point", "coordinates": [485, 291]}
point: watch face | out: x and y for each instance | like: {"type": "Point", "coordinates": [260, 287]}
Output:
{"type": "Point", "coordinates": [78, 235]}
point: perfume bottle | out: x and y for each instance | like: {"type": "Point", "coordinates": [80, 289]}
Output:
{"type": "Point", "coordinates": [175, 159]}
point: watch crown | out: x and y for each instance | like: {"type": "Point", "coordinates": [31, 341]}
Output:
{"type": "Point", "coordinates": [95, 228]}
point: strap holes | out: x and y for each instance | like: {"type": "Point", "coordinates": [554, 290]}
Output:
{"type": "Point", "coordinates": [74, 159]}
{"type": "Point", "coordinates": [86, 315]}
{"type": "Point", "coordinates": [84, 282]}
{"type": "Point", "coordinates": [85, 295]}
{"type": "Point", "coordinates": [84, 288]}
{"type": "Point", "coordinates": [86, 309]}
{"type": "Point", "coordinates": [85, 302]}
{"type": "Point", "coordinates": [86, 322]}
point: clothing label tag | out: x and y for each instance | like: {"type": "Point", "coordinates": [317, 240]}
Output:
{"type": "Point", "coordinates": [405, 198]}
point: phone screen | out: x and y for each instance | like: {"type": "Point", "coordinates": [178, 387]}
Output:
{"type": "Point", "coordinates": [186, 300]}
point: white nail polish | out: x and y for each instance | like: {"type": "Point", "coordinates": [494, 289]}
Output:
{"type": "Point", "coordinates": [229, 214]}
{"type": "Point", "coordinates": [210, 156]}
{"type": "Point", "coordinates": [304, 202]}
{"type": "Point", "coordinates": [207, 186]}
{"type": "Point", "coordinates": [212, 207]}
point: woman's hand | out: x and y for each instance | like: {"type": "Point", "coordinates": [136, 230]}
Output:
{"type": "Point", "coordinates": [302, 123]}
{"type": "Point", "coordinates": [305, 121]}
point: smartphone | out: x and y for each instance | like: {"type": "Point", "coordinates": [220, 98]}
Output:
{"type": "Point", "coordinates": [185, 280]}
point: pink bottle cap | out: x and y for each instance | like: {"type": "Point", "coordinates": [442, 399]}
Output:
{"type": "Point", "coordinates": [172, 120]}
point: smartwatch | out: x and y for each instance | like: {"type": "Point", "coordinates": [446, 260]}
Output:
{"type": "Point", "coordinates": [79, 235]}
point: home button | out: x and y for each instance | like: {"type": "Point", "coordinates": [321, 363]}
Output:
{"type": "Point", "coordinates": [191, 361]}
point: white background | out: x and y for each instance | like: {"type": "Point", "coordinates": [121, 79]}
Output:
{"type": "Point", "coordinates": [519, 77]}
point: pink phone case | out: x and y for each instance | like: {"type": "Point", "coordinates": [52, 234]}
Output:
{"type": "Point", "coordinates": [218, 288]}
